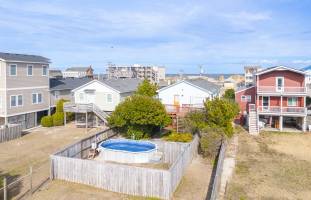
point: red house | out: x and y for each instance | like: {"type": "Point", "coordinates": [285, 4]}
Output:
{"type": "Point", "coordinates": [277, 101]}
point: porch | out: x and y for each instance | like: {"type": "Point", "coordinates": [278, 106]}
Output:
{"type": "Point", "coordinates": [282, 123]}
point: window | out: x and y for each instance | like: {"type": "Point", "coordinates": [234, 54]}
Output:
{"type": "Point", "coordinates": [56, 94]}
{"type": "Point", "coordinates": [292, 101]}
{"type": "Point", "coordinates": [16, 100]}
{"type": "Point", "coordinates": [29, 70]}
{"type": "Point", "coordinates": [36, 98]}
{"type": "Point", "coordinates": [81, 97]}
{"type": "Point", "coordinates": [39, 98]}
{"type": "Point", "coordinates": [13, 70]}
{"type": "Point", "coordinates": [279, 83]}
{"type": "Point", "coordinates": [246, 98]}
{"type": "Point", "coordinates": [44, 70]}
{"type": "Point", "coordinates": [109, 98]}
{"type": "Point", "coordinates": [19, 100]}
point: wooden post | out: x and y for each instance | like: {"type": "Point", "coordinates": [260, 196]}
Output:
{"type": "Point", "coordinates": [5, 197]}
{"type": "Point", "coordinates": [65, 119]}
{"type": "Point", "coordinates": [86, 121]}
{"type": "Point", "coordinates": [177, 123]}
{"type": "Point", "coordinates": [30, 180]}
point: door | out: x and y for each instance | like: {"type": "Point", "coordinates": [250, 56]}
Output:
{"type": "Point", "coordinates": [279, 84]}
{"type": "Point", "coordinates": [265, 103]}
{"type": "Point", "coordinates": [176, 100]}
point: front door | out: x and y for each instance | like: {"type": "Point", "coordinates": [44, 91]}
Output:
{"type": "Point", "coordinates": [279, 84]}
{"type": "Point", "coordinates": [265, 103]}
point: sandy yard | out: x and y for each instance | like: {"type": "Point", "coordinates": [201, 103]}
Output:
{"type": "Point", "coordinates": [34, 148]}
{"type": "Point", "coordinates": [193, 186]}
{"type": "Point", "coordinates": [272, 166]}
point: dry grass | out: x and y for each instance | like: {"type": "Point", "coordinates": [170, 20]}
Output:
{"type": "Point", "coordinates": [272, 166]}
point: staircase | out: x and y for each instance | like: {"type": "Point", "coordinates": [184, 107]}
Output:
{"type": "Point", "coordinates": [253, 128]}
{"type": "Point", "coordinates": [83, 108]}
{"type": "Point", "coordinates": [101, 114]}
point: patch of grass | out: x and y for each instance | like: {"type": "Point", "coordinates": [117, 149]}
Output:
{"type": "Point", "coordinates": [242, 168]}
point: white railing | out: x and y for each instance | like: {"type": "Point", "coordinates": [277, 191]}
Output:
{"type": "Point", "coordinates": [274, 89]}
{"type": "Point", "coordinates": [284, 110]}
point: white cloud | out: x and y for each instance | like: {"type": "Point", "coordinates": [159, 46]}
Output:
{"type": "Point", "coordinates": [301, 62]}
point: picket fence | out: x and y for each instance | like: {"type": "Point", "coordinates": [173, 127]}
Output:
{"type": "Point", "coordinates": [10, 132]}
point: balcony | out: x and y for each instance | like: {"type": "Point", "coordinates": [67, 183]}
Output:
{"type": "Point", "coordinates": [281, 90]}
{"type": "Point", "coordinates": [278, 110]}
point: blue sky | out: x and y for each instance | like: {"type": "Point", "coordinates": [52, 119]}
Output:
{"type": "Point", "coordinates": [222, 35]}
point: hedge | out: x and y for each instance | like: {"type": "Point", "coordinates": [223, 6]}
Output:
{"type": "Point", "coordinates": [58, 119]}
{"type": "Point", "coordinates": [47, 121]}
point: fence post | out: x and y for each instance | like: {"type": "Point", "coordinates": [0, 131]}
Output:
{"type": "Point", "coordinates": [4, 189]}
{"type": "Point", "coordinates": [30, 180]}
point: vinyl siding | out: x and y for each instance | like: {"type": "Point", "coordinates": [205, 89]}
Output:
{"type": "Point", "coordinates": [291, 79]}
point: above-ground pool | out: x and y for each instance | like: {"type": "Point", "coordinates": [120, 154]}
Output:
{"type": "Point", "coordinates": [126, 151]}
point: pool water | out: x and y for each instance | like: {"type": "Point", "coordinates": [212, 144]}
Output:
{"type": "Point", "coordinates": [128, 145]}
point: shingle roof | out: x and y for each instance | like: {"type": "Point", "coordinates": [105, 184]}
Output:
{"type": "Point", "coordinates": [68, 83]}
{"type": "Point", "coordinates": [123, 85]}
{"type": "Point", "coordinates": [77, 69]}
{"type": "Point", "coordinates": [23, 58]}
{"type": "Point", "coordinates": [205, 84]}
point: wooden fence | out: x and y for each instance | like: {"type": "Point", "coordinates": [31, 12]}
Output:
{"type": "Point", "coordinates": [10, 132]}
{"type": "Point", "coordinates": [68, 165]}
{"type": "Point", "coordinates": [217, 177]}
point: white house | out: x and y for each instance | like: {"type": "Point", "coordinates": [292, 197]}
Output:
{"type": "Point", "coordinates": [106, 94]}
{"type": "Point", "coordinates": [192, 92]}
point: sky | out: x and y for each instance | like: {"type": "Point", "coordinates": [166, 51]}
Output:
{"type": "Point", "coordinates": [222, 36]}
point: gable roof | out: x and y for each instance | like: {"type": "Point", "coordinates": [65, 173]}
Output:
{"type": "Point", "coordinates": [68, 83]}
{"type": "Point", "coordinates": [240, 89]}
{"type": "Point", "coordinates": [199, 83]}
{"type": "Point", "coordinates": [120, 85]}
{"type": "Point", "coordinates": [23, 58]}
{"type": "Point", "coordinates": [78, 69]}
{"type": "Point", "coordinates": [279, 68]}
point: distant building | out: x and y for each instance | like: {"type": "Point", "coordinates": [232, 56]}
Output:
{"type": "Point", "coordinates": [55, 73]}
{"type": "Point", "coordinates": [78, 72]}
{"type": "Point", "coordinates": [153, 73]}
{"type": "Point", "coordinates": [249, 72]}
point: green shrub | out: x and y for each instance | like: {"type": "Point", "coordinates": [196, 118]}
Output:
{"type": "Point", "coordinates": [179, 137]}
{"type": "Point", "coordinates": [58, 119]}
{"type": "Point", "coordinates": [210, 142]}
{"type": "Point", "coordinates": [60, 105]}
{"type": "Point", "coordinates": [47, 121]}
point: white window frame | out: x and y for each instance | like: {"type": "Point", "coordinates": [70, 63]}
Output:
{"type": "Point", "coordinates": [36, 98]}
{"type": "Point", "coordinates": [276, 83]}
{"type": "Point", "coordinates": [109, 95]}
{"type": "Point", "coordinates": [46, 67]}
{"type": "Point", "coordinates": [292, 101]}
{"type": "Point", "coordinates": [246, 98]}
{"type": "Point", "coordinates": [16, 101]}
{"type": "Point", "coordinates": [28, 70]}
{"type": "Point", "coordinates": [11, 71]}
{"type": "Point", "coordinates": [56, 94]}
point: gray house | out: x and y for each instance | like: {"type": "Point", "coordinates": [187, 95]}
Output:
{"type": "Point", "coordinates": [61, 88]}
{"type": "Point", "coordinates": [24, 89]}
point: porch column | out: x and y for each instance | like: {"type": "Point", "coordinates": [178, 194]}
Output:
{"type": "Point", "coordinates": [65, 119]}
{"type": "Point", "coordinates": [304, 124]}
{"type": "Point", "coordinates": [6, 120]}
{"type": "Point", "coordinates": [281, 123]}
{"type": "Point", "coordinates": [36, 119]}
{"type": "Point", "coordinates": [86, 121]}
{"type": "Point", "coordinates": [281, 104]}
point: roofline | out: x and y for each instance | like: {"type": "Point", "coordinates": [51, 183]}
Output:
{"type": "Point", "coordinates": [275, 68]}
{"type": "Point", "coordinates": [185, 81]}
{"type": "Point", "coordinates": [244, 89]}
{"type": "Point", "coordinates": [20, 61]}
{"type": "Point", "coordinates": [93, 81]}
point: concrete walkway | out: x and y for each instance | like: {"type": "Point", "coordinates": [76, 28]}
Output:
{"type": "Point", "coordinates": [229, 164]}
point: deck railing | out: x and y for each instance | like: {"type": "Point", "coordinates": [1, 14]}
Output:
{"type": "Point", "coordinates": [281, 90]}
{"type": "Point", "coordinates": [284, 110]}
{"type": "Point", "coordinates": [184, 108]}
